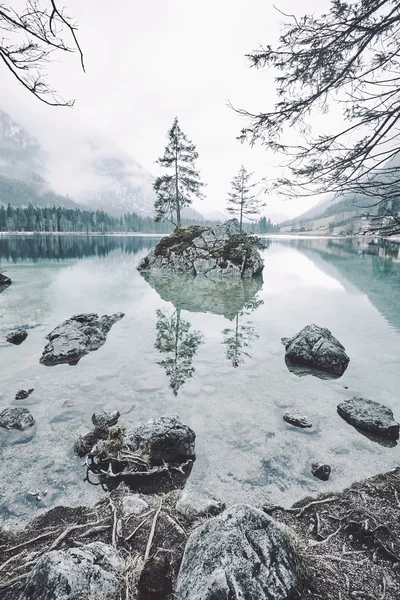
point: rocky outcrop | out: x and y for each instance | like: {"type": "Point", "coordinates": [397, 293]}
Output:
{"type": "Point", "coordinates": [242, 553]}
{"type": "Point", "coordinates": [76, 337]}
{"type": "Point", "coordinates": [86, 572]}
{"type": "Point", "coordinates": [369, 416]}
{"type": "Point", "coordinates": [163, 440]}
{"type": "Point", "coordinates": [4, 281]}
{"type": "Point", "coordinates": [221, 251]}
{"type": "Point", "coordinates": [317, 348]}
{"type": "Point", "coordinates": [297, 420]}
{"type": "Point", "coordinates": [195, 503]}
{"type": "Point", "coordinates": [16, 418]}
{"type": "Point", "coordinates": [17, 337]}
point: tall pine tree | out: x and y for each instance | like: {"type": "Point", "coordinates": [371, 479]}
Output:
{"type": "Point", "coordinates": [241, 198]}
{"type": "Point", "coordinates": [177, 188]}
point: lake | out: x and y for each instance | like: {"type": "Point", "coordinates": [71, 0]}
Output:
{"type": "Point", "coordinates": [230, 382]}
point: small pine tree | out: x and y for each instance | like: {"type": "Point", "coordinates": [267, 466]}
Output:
{"type": "Point", "coordinates": [242, 201]}
{"type": "Point", "coordinates": [177, 189]}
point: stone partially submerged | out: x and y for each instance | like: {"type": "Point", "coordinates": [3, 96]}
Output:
{"type": "Point", "coordinates": [369, 416]}
{"type": "Point", "coordinates": [17, 337]}
{"type": "Point", "coordinates": [89, 571]}
{"type": "Point", "coordinates": [242, 553]}
{"type": "Point", "coordinates": [221, 251]}
{"type": "Point", "coordinates": [4, 280]}
{"type": "Point", "coordinates": [316, 348]}
{"type": "Point", "coordinates": [76, 337]}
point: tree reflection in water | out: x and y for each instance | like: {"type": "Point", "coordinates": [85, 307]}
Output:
{"type": "Point", "coordinates": [175, 339]}
{"type": "Point", "coordinates": [239, 338]}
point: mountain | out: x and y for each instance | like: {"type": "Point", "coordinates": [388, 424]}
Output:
{"type": "Point", "coordinates": [22, 163]}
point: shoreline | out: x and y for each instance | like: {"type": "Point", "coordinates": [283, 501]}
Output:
{"type": "Point", "coordinates": [345, 544]}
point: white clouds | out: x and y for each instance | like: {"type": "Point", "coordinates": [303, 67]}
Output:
{"type": "Point", "coordinates": [147, 62]}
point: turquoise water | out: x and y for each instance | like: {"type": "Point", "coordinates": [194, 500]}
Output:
{"type": "Point", "coordinates": [229, 383]}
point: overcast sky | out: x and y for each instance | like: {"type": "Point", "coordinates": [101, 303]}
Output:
{"type": "Point", "coordinates": [147, 62]}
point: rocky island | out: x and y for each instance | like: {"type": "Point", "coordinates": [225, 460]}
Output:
{"type": "Point", "coordinates": [221, 251]}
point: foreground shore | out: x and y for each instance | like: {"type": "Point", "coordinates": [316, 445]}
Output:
{"type": "Point", "coordinates": [347, 545]}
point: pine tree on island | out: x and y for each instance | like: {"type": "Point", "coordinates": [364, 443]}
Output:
{"type": "Point", "coordinates": [242, 201]}
{"type": "Point", "coordinates": [181, 183]}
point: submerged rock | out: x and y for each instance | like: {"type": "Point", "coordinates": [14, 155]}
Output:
{"type": "Point", "coordinates": [17, 337]}
{"type": "Point", "coordinates": [317, 348]}
{"type": "Point", "coordinates": [221, 251]}
{"type": "Point", "coordinates": [242, 553]}
{"type": "Point", "coordinates": [321, 471]}
{"type": "Point", "coordinates": [163, 440]}
{"type": "Point", "coordinates": [23, 394]}
{"type": "Point", "coordinates": [16, 418]}
{"type": "Point", "coordinates": [86, 572]}
{"type": "Point", "coordinates": [76, 337]}
{"type": "Point", "coordinates": [296, 420]}
{"type": "Point", "coordinates": [195, 503]}
{"type": "Point", "coordinates": [4, 281]}
{"type": "Point", "coordinates": [106, 418]}
{"type": "Point", "coordinates": [369, 416]}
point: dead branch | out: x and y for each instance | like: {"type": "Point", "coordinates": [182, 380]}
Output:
{"type": "Point", "coordinates": [151, 536]}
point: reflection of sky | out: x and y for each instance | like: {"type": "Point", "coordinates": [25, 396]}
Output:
{"type": "Point", "coordinates": [288, 269]}
{"type": "Point", "coordinates": [245, 450]}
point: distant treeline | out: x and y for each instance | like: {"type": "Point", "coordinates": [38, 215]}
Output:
{"type": "Point", "coordinates": [58, 219]}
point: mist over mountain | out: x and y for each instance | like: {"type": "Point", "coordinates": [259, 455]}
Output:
{"type": "Point", "coordinates": [98, 176]}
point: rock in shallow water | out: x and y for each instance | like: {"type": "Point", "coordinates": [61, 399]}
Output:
{"type": "Point", "coordinates": [369, 416]}
{"type": "Point", "coordinates": [86, 572]}
{"type": "Point", "coordinates": [17, 337]}
{"type": "Point", "coordinates": [221, 251]}
{"type": "Point", "coordinates": [4, 280]}
{"type": "Point", "coordinates": [164, 440]}
{"type": "Point", "coordinates": [297, 420]}
{"type": "Point", "coordinates": [242, 553]}
{"type": "Point", "coordinates": [16, 418]}
{"type": "Point", "coordinates": [23, 394]}
{"type": "Point", "coordinates": [321, 471]}
{"type": "Point", "coordinates": [76, 337]}
{"type": "Point", "coordinates": [316, 347]}
{"type": "Point", "coordinates": [195, 503]}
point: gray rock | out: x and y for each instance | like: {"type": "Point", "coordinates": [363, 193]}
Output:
{"type": "Point", "coordinates": [241, 554]}
{"type": "Point", "coordinates": [4, 280]}
{"type": "Point", "coordinates": [296, 420]}
{"type": "Point", "coordinates": [16, 418]}
{"type": "Point", "coordinates": [76, 337]}
{"type": "Point", "coordinates": [316, 347]}
{"type": "Point", "coordinates": [221, 251]}
{"type": "Point", "coordinates": [165, 439]}
{"type": "Point", "coordinates": [133, 504]}
{"type": "Point", "coordinates": [195, 503]}
{"type": "Point", "coordinates": [17, 337]}
{"type": "Point", "coordinates": [321, 471]}
{"type": "Point", "coordinates": [105, 418]}
{"type": "Point", "coordinates": [23, 394]}
{"type": "Point", "coordinates": [86, 572]}
{"type": "Point", "coordinates": [369, 416]}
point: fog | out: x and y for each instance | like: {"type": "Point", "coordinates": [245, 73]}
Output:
{"type": "Point", "coordinates": [147, 62]}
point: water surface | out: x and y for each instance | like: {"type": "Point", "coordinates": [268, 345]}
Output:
{"type": "Point", "coordinates": [207, 351]}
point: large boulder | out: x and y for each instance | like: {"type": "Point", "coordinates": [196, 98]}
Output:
{"type": "Point", "coordinates": [86, 572]}
{"type": "Point", "coordinates": [76, 337]}
{"type": "Point", "coordinates": [17, 337]}
{"type": "Point", "coordinates": [241, 554]}
{"type": "Point", "coordinates": [369, 416]}
{"type": "Point", "coordinates": [221, 251]}
{"type": "Point", "coordinates": [16, 418]}
{"type": "Point", "coordinates": [4, 280]}
{"type": "Point", "coordinates": [317, 348]}
{"type": "Point", "coordinates": [163, 440]}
